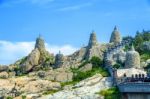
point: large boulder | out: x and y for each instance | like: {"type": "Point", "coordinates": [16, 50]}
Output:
{"type": "Point", "coordinates": [87, 67]}
{"type": "Point", "coordinates": [32, 60]}
{"type": "Point", "coordinates": [37, 59]}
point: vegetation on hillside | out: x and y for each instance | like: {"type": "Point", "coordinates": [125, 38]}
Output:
{"type": "Point", "coordinates": [97, 68]}
{"type": "Point", "coordinates": [112, 93]}
{"type": "Point", "coordinates": [138, 40]}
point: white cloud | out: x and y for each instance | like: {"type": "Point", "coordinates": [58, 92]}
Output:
{"type": "Point", "coordinates": [75, 7]}
{"type": "Point", "coordinates": [12, 51]}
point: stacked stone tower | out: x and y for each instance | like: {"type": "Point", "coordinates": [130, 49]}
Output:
{"type": "Point", "coordinates": [40, 44]}
{"type": "Point", "coordinates": [115, 36]}
{"type": "Point", "coordinates": [59, 60]}
{"type": "Point", "coordinates": [93, 40]}
{"type": "Point", "coordinates": [132, 59]}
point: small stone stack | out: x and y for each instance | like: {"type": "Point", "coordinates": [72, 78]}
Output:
{"type": "Point", "coordinates": [59, 60]}
{"type": "Point", "coordinates": [132, 59]}
{"type": "Point", "coordinates": [115, 36]}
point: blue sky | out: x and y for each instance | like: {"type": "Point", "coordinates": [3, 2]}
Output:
{"type": "Point", "coordinates": [67, 22]}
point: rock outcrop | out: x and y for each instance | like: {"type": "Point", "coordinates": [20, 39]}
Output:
{"type": "Point", "coordinates": [85, 89]}
{"type": "Point", "coordinates": [145, 46]}
{"type": "Point", "coordinates": [115, 36]}
{"type": "Point", "coordinates": [25, 86]}
{"type": "Point", "coordinates": [3, 68]}
{"type": "Point", "coordinates": [4, 75]}
{"type": "Point", "coordinates": [132, 59]}
{"type": "Point", "coordinates": [85, 53]}
{"type": "Point", "coordinates": [59, 75]}
{"type": "Point", "coordinates": [38, 58]}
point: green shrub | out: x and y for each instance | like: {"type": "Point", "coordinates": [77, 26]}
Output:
{"type": "Point", "coordinates": [79, 75]}
{"type": "Point", "coordinates": [96, 61]}
{"type": "Point", "coordinates": [23, 97]}
{"type": "Point", "coordinates": [68, 83]}
{"type": "Point", "coordinates": [112, 93]}
{"type": "Point", "coordinates": [145, 56]}
{"type": "Point", "coordinates": [9, 97]}
{"type": "Point", "coordinates": [117, 65]}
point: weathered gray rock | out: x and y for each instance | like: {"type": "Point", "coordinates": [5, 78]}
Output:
{"type": "Point", "coordinates": [132, 59]}
{"type": "Point", "coordinates": [59, 75]}
{"type": "Point", "coordinates": [145, 46]}
{"type": "Point", "coordinates": [120, 56]}
{"type": "Point", "coordinates": [3, 68]}
{"type": "Point", "coordinates": [87, 67]}
{"type": "Point", "coordinates": [85, 89]}
{"type": "Point", "coordinates": [38, 58]}
{"type": "Point", "coordinates": [115, 36]}
{"type": "Point", "coordinates": [25, 85]}
{"type": "Point", "coordinates": [3, 75]}
{"type": "Point", "coordinates": [32, 60]}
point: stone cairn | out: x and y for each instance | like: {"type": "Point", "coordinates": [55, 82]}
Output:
{"type": "Point", "coordinates": [93, 40]}
{"type": "Point", "coordinates": [132, 59]}
{"type": "Point", "coordinates": [40, 44]}
{"type": "Point", "coordinates": [115, 36]}
{"type": "Point", "coordinates": [59, 60]}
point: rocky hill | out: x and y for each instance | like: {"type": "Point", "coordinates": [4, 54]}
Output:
{"type": "Point", "coordinates": [77, 76]}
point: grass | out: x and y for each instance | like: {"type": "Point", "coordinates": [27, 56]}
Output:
{"type": "Point", "coordinates": [79, 75]}
{"type": "Point", "coordinates": [145, 56]}
{"type": "Point", "coordinates": [68, 83]}
{"type": "Point", "coordinates": [23, 97]}
{"type": "Point", "coordinates": [9, 97]}
{"type": "Point", "coordinates": [112, 93]}
{"type": "Point", "coordinates": [50, 92]}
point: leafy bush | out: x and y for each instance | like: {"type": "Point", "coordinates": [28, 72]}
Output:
{"type": "Point", "coordinates": [96, 61]}
{"type": "Point", "coordinates": [145, 56]}
{"type": "Point", "coordinates": [112, 93]}
{"type": "Point", "coordinates": [117, 65]}
{"type": "Point", "coordinates": [9, 97]}
{"type": "Point", "coordinates": [23, 97]}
